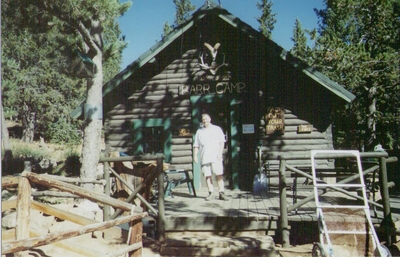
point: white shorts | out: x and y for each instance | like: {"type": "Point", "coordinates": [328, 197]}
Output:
{"type": "Point", "coordinates": [215, 167]}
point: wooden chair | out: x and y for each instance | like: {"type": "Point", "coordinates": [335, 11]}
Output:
{"type": "Point", "coordinates": [175, 178]}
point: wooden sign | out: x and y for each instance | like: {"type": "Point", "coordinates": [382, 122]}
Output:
{"type": "Point", "coordinates": [183, 132]}
{"type": "Point", "coordinates": [275, 121]}
{"type": "Point", "coordinates": [304, 128]}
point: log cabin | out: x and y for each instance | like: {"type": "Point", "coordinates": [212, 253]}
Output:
{"type": "Point", "coordinates": [256, 91]}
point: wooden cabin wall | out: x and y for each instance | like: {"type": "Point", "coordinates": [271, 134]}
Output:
{"type": "Point", "coordinates": [158, 99]}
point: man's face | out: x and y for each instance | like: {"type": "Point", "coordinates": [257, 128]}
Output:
{"type": "Point", "coordinates": [206, 120]}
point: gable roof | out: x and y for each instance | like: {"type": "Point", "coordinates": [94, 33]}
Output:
{"type": "Point", "coordinates": [208, 9]}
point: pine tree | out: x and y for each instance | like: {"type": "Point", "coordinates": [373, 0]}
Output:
{"type": "Point", "coordinates": [267, 19]}
{"type": "Point", "coordinates": [183, 9]}
{"type": "Point", "coordinates": [34, 88]}
{"type": "Point", "coordinates": [300, 48]}
{"type": "Point", "coordinates": [90, 28]}
{"type": "Point", "coordinates": [358, 46]}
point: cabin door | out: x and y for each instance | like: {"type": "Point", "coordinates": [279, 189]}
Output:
{"type": "Point", "coordinates": [218, 107]}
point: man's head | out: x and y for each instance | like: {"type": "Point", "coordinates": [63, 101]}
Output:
{"type": "Point", "coordinates": [205, 119]}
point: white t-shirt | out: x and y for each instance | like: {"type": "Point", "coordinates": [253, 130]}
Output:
{"type": "Point", "coordinates": [208, 140]}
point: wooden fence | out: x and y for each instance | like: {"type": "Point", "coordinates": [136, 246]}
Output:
{"type": "Point", "coordinates": [23, 242]}
{"type": "Point", "coordinates": [146, 184]}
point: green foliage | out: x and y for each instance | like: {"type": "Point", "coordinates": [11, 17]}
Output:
{"type": "Point", "coordinates": [36, 50]}
{"type": "Point", "coordinates": [358, 46]}
{"type": "Point", "coordinates": [32, 64]}
{"type": "Point", "coordinates": [63, 132]}
{"type": "Point", "coordinates": [183, 9]}
{"type": "Point", "coordinates": [300, 48]}
{"type": "Point", "coordinates": [267, 19]}
{"type": "Point", "coordinates": [28, 151]}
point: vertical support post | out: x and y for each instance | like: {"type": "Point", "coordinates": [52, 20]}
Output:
{"type": "Point", "coordinates": [283, 204]}
{"type": "Point", "coordinates": [161, 205]}
{"type": "Point", "coordinates": [23, 209]}
{"type": "Point", "coordinates": [107, 188]}
{"type": "Point", "coordinates": [136, 233]}
{"type": "Point", "coordinates": [387, 222]}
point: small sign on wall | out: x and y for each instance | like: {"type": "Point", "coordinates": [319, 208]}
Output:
{"type": "Point", "coordinates": [275, 121]}
{"type": "Point", "coordinates": [248, 128]}
{"type": "Point", "coordinates": [184, 132]}
{"type": "Point", "coordinates": [304, 128]}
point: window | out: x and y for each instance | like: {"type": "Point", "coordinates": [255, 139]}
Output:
{"type": "Point", "coordinates": [153, 140]}
{"type": "Point", "coordinates": [152, 136]}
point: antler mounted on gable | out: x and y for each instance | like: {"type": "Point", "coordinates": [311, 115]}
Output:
{"type": "Point", "coordinates": [213, 68]}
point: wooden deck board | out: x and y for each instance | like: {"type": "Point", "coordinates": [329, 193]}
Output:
{"type": "Point", "coordinates": [243, 211]}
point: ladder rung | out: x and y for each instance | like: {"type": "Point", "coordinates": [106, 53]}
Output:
{"type": "Point", "coordinates": [339, 185]}
{"type": "Point", "coordinates": [343, 207]}
{"type": "Point", "coordinates": [347, 232]}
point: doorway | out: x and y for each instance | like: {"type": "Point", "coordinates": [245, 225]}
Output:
{"type": "Point", "coordinates": [221, 113]}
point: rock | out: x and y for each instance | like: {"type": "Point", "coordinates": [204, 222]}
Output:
{"type": "Point", "coordinates": [48, 164]}
{"type": "Point", "coordinates": [87, 209]}
{"type": "Point", "coordinates": [9, 220]}
{"type": "Point", "coordinates": [40, 223]}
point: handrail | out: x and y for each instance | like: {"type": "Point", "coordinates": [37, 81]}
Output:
{"type": "Point", "coordinates": [284, 209]}
{"type": "Point", "coordinates": [160, 215]}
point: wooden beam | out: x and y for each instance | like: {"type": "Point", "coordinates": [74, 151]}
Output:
{"type": "Point", "coordinates": [9, 181]}
{"type": "Point", "coordinates": [93, 196]}
{"type": "Point", "coordinates": [23, 212]}
{"type": "Point", "coordinates": [26, 244]}
{"type": "Point", "coordinates": [122, 251]}
{"type": "Point", "coordinates": [65, 215]}
{"type": "Point", "coordinates": [51, 193]}
{"type": "Point", "coordinates": [8, 234]}
{"type": "Point", "coordinates": [78, 180]}
{"type": "Point", "coordinates": [135, 237]}
{"type": "Point", "coordinates": [10, 204]}
{"type": "Point", "coordinates": [72, 247]}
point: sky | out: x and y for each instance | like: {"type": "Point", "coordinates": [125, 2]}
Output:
{"type": "Point", "coordinates": [142, 25]}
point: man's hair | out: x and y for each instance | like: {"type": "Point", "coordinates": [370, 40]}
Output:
{"type": "Point", "coordinates": [204, 114]}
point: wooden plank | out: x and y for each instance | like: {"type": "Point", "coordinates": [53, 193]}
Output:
{"type": "Point", "coordinates": [22, 245]}
{"type": "Point", "coordinates": [9, 181]}
{"type": "Point", "coordinates": [8, 234]}
{"type": "Point", "coordinates": [10, 204]}
{"type": "Point", "coordinates": [72, 247]}
{"type": "Point", "coordinates": [93, 196]}
{"type": "Point", "coordinates": [65, 215]}
{"type": "Point", "coordinates": [136, 232]}
{"type": "Point", "coordinates": [126, 249]}
{"type": "Point", "coordinates": [23, 212]}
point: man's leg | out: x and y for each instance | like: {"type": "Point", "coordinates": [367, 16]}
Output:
{"type": "Point", "coordinates": [209, 184]}
{"type": "Point", "coordinates": [219, 172]}
{"type": "Point", "coordinates": [206, 169]}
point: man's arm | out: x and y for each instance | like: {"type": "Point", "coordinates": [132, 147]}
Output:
{"type": "Point", "coordinates": [220, 150]}
{"type": "Point", "coordinates": [195, 154]}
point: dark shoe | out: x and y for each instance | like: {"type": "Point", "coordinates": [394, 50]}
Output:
{"type": "Point", "coordinates": [210, 196]}
{"type": "Point", "coordinates": [222, 196]}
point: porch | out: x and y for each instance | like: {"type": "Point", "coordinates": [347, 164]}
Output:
{"type": "Point", "coordinates": [247, 213]}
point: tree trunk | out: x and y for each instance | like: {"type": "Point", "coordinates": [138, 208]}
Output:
{"type": "Point", "coordinates": [371, 122]}
{"type": "Point", "coordinates": [93, 124]}
{"type": "Point", "coordinates": [28, 124]}
{"type": "Point", "coordinates": [5, 139]}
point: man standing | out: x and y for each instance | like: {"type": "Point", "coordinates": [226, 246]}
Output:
{"type": "Point", "coordinates": [210, 141]}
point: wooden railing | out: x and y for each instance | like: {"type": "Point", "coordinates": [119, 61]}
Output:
{"type": "Point", "coordinates": [145, 184]}
{"type": "Point", "coordinates": [383, 182]}
{"type": "Point", "coordinates": [23, 242]}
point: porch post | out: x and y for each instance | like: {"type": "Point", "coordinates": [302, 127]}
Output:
{"type": "Point", "coordinates": [283, 204]}
{"type": "Point", "coordinates": [387, 222]}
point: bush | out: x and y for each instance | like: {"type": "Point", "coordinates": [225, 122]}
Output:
{"type": "Point", "coordinates": [72, 163]}
{"type": "Point", "coordinates": [62, 131]}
